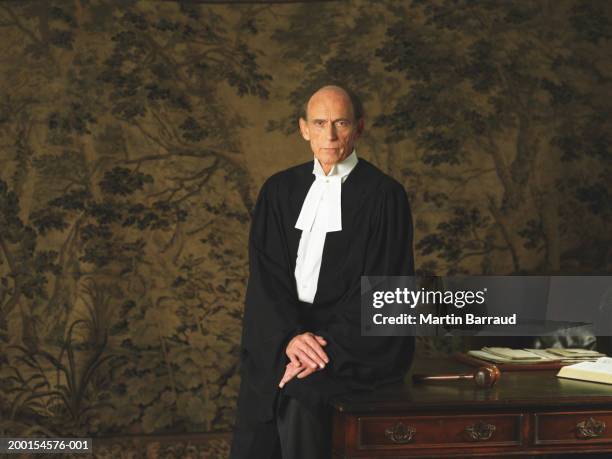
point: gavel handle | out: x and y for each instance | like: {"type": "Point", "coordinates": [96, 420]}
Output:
{"type": "Point", "coordinates": [419, 377]}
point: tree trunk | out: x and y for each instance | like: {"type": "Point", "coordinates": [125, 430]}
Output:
{"type": "Point", "coordinates": [549, 210]}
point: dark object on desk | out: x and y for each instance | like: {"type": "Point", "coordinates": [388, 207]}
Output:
{"type": "Point", "coordinates": [475, 362]}
{"type": "Point", "coordinates": [483, 377]}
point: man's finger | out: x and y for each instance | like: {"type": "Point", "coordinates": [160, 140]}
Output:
{"type": "Point", "coordinates": [311, 345]}
{"type": "Point", "coordinates": [293, 358]}
{"type": "Point", "coordinates": [295, 355]}
{"type": "Point", "coordinates": [290, 372]}
{"type": "Point", "coordinates": [321, 340]}
{"type": "Point", "coordinates": [294, 371]}
{"type": "Point", "coordinates": [306, 372]}
{"type": "Point", "coordinates": [307, 348]}
{"type": "Point", "coordinates": [306, 359]}
{"type": "Point", "coordinates": [316, 347]}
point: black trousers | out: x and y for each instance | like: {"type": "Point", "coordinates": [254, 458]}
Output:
{"type": "Point", "coordinates": [297, 432]}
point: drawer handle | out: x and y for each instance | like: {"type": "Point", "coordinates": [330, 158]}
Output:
{"type": "Point", "coordinates": [481, 431]}
{"type": "Point", "coordinates": [400, 433]}
{"type": "Point", "coordinates": [590, 428]}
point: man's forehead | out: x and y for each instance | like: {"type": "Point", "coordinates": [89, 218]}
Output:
{"type": "Point", "coordinates": [327, 103]}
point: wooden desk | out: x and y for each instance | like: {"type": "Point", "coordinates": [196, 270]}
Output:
{"type": "Point", "coordinates": [526, 413]}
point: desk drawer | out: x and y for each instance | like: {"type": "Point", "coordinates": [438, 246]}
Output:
{"type": "Point", "coordinates": [411, 432]}
{"type": "Point", "coordinates": [573, 428]}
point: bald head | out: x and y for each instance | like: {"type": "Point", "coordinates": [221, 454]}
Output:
{"type": "Point", "coordinates": [338, 93]}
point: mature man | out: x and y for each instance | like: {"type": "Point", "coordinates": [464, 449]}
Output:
{"type": "Point", "coordinates": [317, 228]}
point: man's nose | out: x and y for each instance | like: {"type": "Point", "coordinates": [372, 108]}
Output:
{"type": "Point", "coordinates": [331, 131]}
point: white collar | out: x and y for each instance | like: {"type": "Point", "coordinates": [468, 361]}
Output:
{"type": "Point", "coordinates": [343, 168]}
{"type": "Point", "coordinates": [324, 198]}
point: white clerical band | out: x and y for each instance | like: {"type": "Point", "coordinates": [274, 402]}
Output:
{"type": "Point", "coordinates": [322, 208]}
{"type": "Point", "coordinates": [325, 196]}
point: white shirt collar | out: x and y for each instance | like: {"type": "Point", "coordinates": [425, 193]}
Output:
{"type": "Point", "coordinates": [323, 202]}
{"type": "Point", "coordinates": [343, 168]}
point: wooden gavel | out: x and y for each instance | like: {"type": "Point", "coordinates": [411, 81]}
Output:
{"type": "Point", "coordinates": [483, 377]}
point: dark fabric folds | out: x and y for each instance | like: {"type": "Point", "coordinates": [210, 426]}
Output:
{"type": "Point", "coordinates": [271, 316]}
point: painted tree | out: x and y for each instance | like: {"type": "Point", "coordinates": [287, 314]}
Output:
{"type": "Point", "coordinates": [492, 89]}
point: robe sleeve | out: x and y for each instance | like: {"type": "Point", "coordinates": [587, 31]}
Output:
{"type": "Point", "coordinates": [388, 253]}
{"type": "Point", "coordinates": [271, 306]}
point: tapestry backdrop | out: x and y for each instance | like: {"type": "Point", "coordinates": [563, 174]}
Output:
{"type": "Point", "coordinates": [134, 136]}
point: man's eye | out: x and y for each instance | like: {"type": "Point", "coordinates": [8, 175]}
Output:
{"type": "Point", "coordinates": [319, 123]}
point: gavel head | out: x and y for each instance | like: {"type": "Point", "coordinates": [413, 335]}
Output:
{"type": "Point", "coordinates": [486, 376]}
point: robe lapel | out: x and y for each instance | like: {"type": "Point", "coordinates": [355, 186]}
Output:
{"type": "Point", "coordinates": [298, 193]}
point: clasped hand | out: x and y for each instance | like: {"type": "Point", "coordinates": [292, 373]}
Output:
{"type": "Point", "coordinates": [306, 355]}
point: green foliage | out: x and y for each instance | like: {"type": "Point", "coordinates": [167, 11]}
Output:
{"type": "Point", "coordinates": [73, 120]}
{"type": "Point", "coordinates": [479, 72]}
{"type": "Point", "coordinates": [458, 238]}
{"type": "Point", "coordinates": [28, 268]}
{"type": "Point", "coordinates": [597, 197]}
{"type": "Point", "coordinates": [192, 131]}
{"type": "Point", "coordinates": [533, 233]}
{"type": "Point", "coordinates": [67, 404]}
{"type": "Point", "coordinates": [122, 181]}
{"type": "Point", "coordinates": [590, 21]}
{"type": "Point", "coordinates": [180, 368]}
{"type": "Point", "coordinates": [100, 218]}
{"type": "Point", "coordinates": [246, 78]}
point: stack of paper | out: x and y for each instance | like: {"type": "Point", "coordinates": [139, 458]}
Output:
{"type": "Point", "coordinates": [575, 355]}
{"type": "Point", "coordinates": [507, 355]}
{"type": "Point", "coordinates": [534, 356]}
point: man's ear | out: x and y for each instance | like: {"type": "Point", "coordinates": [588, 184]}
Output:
{"type": "Point", "coordinates": [304, 129]}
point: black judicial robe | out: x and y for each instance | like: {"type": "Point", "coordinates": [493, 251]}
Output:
{"type": "Point", "coordinates": [376, 239]}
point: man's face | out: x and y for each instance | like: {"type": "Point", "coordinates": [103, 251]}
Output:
{"type": "Point", "coordinates": [330, 128]}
